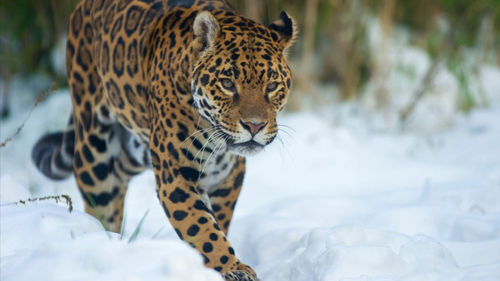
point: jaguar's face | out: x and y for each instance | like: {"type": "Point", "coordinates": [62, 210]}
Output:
{"type": "Point", "coordinates": [242, 81]}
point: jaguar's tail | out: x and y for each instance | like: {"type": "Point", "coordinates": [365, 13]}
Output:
{"type": "Point", "coordinates": [53, 153]}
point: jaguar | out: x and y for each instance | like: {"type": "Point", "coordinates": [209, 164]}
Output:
{"type": "Point", "coordinates": [188, 88]}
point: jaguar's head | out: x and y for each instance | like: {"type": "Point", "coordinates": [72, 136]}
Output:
{"type": "Point", "coordinates": [241, 79]}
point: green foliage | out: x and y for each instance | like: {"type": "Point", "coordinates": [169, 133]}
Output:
{"type": "Point", "coordinates": [434, 43]}
{"type": "Point", "coordinates": [464, 16]}
{"type": "Point", "coordinates": [467, 101]}
{"type": "Point", "coordinates": [29, 29]}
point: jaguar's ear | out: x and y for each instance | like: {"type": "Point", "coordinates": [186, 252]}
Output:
{"type": "Point", "coordinates": [283, 30]}
{"type": "Point", "coordinates": [205, 29]}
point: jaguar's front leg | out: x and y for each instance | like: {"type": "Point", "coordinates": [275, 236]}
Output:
{"type": "Point", "coordinates": [223, 199]}
{"type": "Point", "coordinates": [188, 210]}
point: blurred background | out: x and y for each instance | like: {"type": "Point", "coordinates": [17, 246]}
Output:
{"type": "Point", "coordinates": [392, 59]}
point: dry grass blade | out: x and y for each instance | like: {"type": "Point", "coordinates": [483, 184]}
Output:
{"type": "Point", "coordinates": [41, 98]}
{"type": "Point", "coordinates": [138, 228]}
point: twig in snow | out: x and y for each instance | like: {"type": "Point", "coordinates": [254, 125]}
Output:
{"type": "Point", "coordinates": [428, 79]}
{"type": "Point", "coordinates": [41, 98]}
{"type": "Point", "coordinates": [58, 198]}
{"type": "Point", "coordinates": [422, 89]}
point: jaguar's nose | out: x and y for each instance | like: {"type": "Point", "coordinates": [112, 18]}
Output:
{"type": "Point", "coordinates": [253, 127]}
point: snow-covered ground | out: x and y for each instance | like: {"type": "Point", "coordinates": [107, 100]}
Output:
{"type": "Point", "coordinates": [333, 202]}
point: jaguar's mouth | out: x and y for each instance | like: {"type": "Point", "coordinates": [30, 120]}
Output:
{"type": "Point", "coordinates": [247, 148]}
{"type": "Point", "coordinates": [248, 144]}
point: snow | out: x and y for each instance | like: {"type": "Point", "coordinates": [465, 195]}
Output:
{"type": "Point", "coordinates": [47, 242]}
{"type": "Point", "coordinates": [336, 200]}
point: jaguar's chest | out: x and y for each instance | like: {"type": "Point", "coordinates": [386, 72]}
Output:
{"type": "Point", "coordinates": [215, 170]}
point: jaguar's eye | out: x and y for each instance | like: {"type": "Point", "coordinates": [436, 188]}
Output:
{"type": "Point", "coordinates": [271, 86]}
{"type": "Point", "coordinates": [227, 84]}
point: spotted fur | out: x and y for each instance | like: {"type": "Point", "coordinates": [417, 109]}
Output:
{"type": "Point", "coordinates": [187, 87]}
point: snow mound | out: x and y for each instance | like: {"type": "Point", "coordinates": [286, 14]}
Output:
{"type": "Point", "coordinates": [46, 242]}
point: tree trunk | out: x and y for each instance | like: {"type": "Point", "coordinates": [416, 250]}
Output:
{"type": "Point", "coordinates": [253, 9]}
{"type": "Point", "coordinates": [308, 52]}
{"type": "Point", "coordinates": [381, 60]}
{"type": "Point", "coordinates": [304, 74]}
